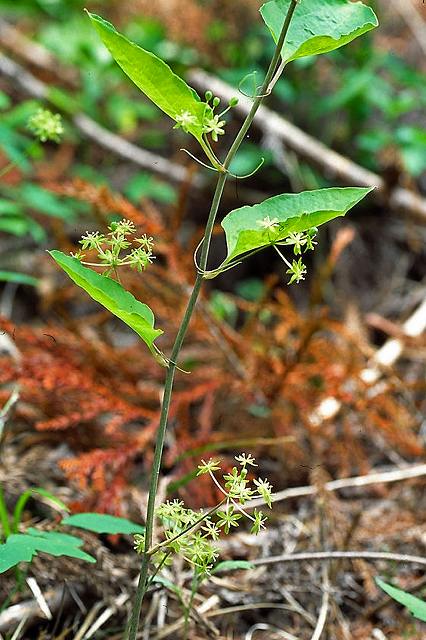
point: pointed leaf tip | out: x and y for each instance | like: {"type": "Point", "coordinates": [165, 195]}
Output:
{"type": "Point", "coordinates": [103, 523]}
{"type": "Point", "coordinates": [111, 295]}
{"type": "Point", "coordinates": [154, 78]}
{"type": "Point", "coordinates": [291, 212]}
{"type": "Point", "coordinates": [416, 606]}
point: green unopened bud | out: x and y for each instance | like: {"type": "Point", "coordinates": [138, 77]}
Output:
{"type": "Point", "coordinates": [216, 102]}
{"type": "Point", "coordinates": [208, 95]}
{"type": "Point", "coordinates": [233, 102]}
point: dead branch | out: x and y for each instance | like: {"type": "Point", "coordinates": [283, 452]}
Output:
{"type": "Point", "coordinates": [413, 20]}
{"type": "Point", "coordinates": [322, 617]}
{"type": "Point", "coordinates": [331, 163]}
{"type": "Point", "coordinates": [319, 556]}
{"type": "Point", "coordinates": [34, 53]}
{"type": "Point", "coordinates": [118, 603]}
{"type": "Point", "coordinates": [406, 473]}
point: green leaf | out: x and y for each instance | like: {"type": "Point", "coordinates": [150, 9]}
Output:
{"type": "Point", "coordinates": [153, 76]}
{"type": "Point", "coordinates": [31, 493]}
{"type": "Point", "coordinates": [416, 606]}
{"type": "Point", "coordinates": [232, 565]}
{"type": "Point", "coordinates": [19, 278]}
{"type": "Point", "coordinates": [103, 523]}
{"type": "Point", "coordinates": [114, 297]}
{"type": "Point", "coordinates": [294, 212]}
{"type": "Point", "coordinates": [143, 185]}
{"type": "Point", "coordinates": [49, 496]}
{"type": "Point", "coordinates": [23, 547]}
{"type": "Point", "coordinates": [318, 27]}
{"type": "Point", "coordinates": [13, 552]}
{"type": "Point", "coordinates": [45, 201]}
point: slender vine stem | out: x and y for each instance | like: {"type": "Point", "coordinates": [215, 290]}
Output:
{"type": "Point", "coordinates": [168, 384]}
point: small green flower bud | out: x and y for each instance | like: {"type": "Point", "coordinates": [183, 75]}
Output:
{"type": "Point", "coordinates": [233, 102]}
{"type": "Point", "coordinates": [208, 95]}
{"type": "Point", "coordinates": [216, 102]}
{"type": "Point", "coordinates": [46, 125]}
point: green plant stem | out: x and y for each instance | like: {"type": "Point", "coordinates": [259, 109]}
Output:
{"type": "Point", "coordinates": [19, 508]}
{"type": "Point", "coordinates": [168, 384]}
{"type": "Point", "coordinates": [4, 518]}
{"type": "Point", "coordinates": [158, 569]}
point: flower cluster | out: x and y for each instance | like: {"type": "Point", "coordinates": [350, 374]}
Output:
{"type": "Point", "coordinates": [117, 248]}
{"type": "Point", "coordinates": [212, 123]}
{"type": "Point", "coordinates": [238, 491]}
{"type": "Point", "coordinates": [189, 534]}
{"type": "Point", "coordinates": [46, 125]}
{"type": "Point", "coordinates": [301, 241]}
{"type": "Point", "coordinates": [192, 534]}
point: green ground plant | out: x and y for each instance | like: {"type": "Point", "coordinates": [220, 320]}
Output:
{"type": "Point", "coordinates": [23, 131]}
{"type": "Point", "coordinates": [416, 606]}
{"type": "Point", "coordinates": [17, 547]}
{"type": "Point", "coordinates": [286, 221]}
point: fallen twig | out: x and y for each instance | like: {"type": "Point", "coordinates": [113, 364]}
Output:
{"type": "Point", "coordinates": [5, 411]}
{"type": "Point", "coordinates": [406, 473]}
{"type": "Point", "coordinates": [34, 53]}
{"type": "Point", "coordinates": [319, 556]}
{"type": "Point", "coordinates": [38, 595]}
{"type": "Point", "coordinates": [89, 620]}
{"type": "Point", "coordinates": [413, 19]}
{"type": "Point", "coordinates": [331, 163]}
{"type": "Point", "coordinates": [322, 618]}
{"type": "Point", "coordinates": [119, 601]}
{"type": "Point", "coordinates": [262, 626]}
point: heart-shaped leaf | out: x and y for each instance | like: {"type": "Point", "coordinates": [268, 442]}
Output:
{"type": "Point", "coordinates": [103, 523]}
{"type": "Point", "coordinates": [247, 228]}
{"type": "Point", "coordinates": [21, 547]}
{"type": "Point", "coordinates": [154, 78]}
{"type": "Point", "coordinates": [416, 606]}
{"type": "Point", "coordinates": [318, 27]}
{"type": "Point", "coordinates": [111, 295]}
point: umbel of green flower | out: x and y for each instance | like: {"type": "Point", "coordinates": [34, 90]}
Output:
{"type": "Point", "coordinates": [301, 241]}
{"type": "Point", "coordinates": [46, 125]}
{"type": "Point", "coordinates": [191, 534]}
{"type": "Point", "coordinates": [212, 123]}
{"type": "Point", "coordinates": [118, 248]}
